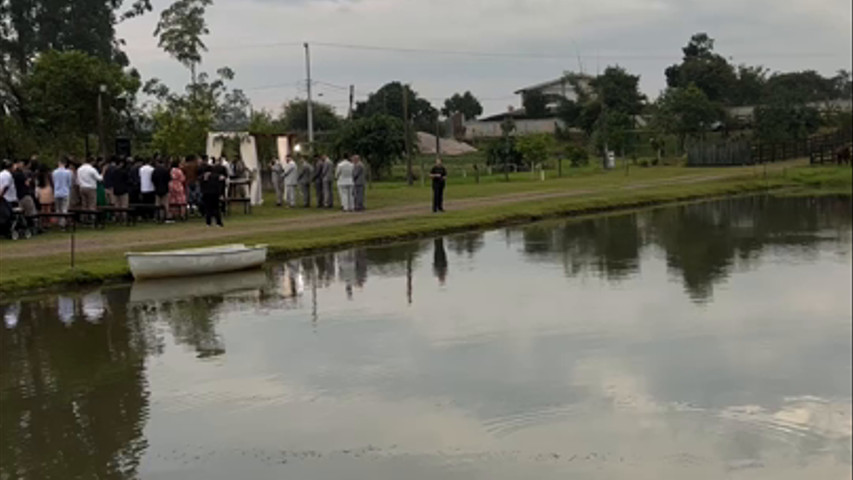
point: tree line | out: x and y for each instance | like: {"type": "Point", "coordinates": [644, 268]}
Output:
{"type": "Point", "coordinates": [61, 57]}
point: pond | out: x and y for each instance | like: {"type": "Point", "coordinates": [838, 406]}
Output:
{"type": "Point", "coordinates": [709, 340]}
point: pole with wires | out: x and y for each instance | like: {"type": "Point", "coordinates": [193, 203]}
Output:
{"type": "Point", "coordinates": [309, 104]}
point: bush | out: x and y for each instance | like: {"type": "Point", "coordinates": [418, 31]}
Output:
{"type": "Point", "coordinates": [534, 148]}
{"type": "Point", "coordinates": [496, 151]}
{"type": "Point", "coordinates": [578, 156]}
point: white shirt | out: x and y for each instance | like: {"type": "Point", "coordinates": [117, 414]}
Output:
{"type": "Point", "coordinates": [290, 173]}
{"type": "Point", "coordinates": [145, 183]}
{"type": "Point", "coordinates": [8, 183]}
{"type": "Point", "coordinates": [344, 173]}
{"type": "Point", "coordinates": [88, 177]}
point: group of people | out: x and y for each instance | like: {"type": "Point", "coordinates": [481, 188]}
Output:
{"type": "Point", "coordinates": [290, 180]}
{"type": "Point", "coordinates": [172, 184]}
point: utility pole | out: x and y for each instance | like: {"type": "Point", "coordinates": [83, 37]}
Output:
{"type": "Point", "coordinates": [102, 138]}
{"type": "Point", "coordinates": [409, 175]}
{"type": "Point", "coordinates": [310, 105]}
{"type": "Point", "coordinates": [351, 97]}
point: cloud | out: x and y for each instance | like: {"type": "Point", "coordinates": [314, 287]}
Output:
{"type": "Point", "coordinates": [642, 35]}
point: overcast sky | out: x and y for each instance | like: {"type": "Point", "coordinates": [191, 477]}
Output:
{"type": "Point", "coordinates": [261, 41]}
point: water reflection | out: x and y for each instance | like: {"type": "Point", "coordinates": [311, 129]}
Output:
{"type": "Point", "coordinates": [369, 363]}
{"type": "Point", "coordinates": [74, 395]}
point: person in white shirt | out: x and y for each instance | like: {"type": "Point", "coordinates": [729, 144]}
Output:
{"type": "Point", "coordinates": [7, 185]}
{"type": "Point", "coordinates": [62, 181]}
{"type": "Point", "coordinates": [291, 172]}
{"type": "Point", "coordinates": [146, 185]}
{"type": "Point", "coordinates": [343, 174]}
{"type": "Point", "coordinates": [88, 178]}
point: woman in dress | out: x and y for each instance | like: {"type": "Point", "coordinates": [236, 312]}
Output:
{"type": "Point", "coordinates": [44, 190]}
{"type": "Point", "coordinates": [177, 193]}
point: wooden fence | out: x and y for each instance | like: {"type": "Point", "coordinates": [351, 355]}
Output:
{"type": "Point", "coordinates": [819, 149]}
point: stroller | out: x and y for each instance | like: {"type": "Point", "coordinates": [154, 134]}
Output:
{"type": "Point", "coordinates": [13, 223]}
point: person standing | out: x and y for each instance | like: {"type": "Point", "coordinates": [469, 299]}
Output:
{"type": "Point", "coordinates": [211, 180]}
{"type": "Point", "coordinates": [439, 178]}
{"type": "Point", "coordinates": [121, 187]}
{"type": "Point", "coordinates": [177, 193]}
{"type": "Point", "coordinates": [359, 181]}
{"type": "Point", "coordinates": [7, 185]}
{"type": "Point", "coordinates": [290, 182]}
{"type": "Point", "coordinates": [107, 174]}
{"type": "Point", "coordinates": [61, 188]}
{"type": "Point", "coordinates": [134, 193]}
{"type": "Point", "coordinates": [306, 173]}
{"type": "Point", "coordinates": [88, 178]}
{"type": "Point", "coordinates": [343, 174]}
{"type": "Point", "coordinates": [317, 180]}
{"type": "Point", "coordinates": [328, 179]}
{"type": "Point", "coordinates": [190, 171]}
{"type": "Point", "coordinates": [160, 178]}
{"type": "Point", "coordinates": [277, 176]}
{"type": "Point", "coordinates": [146, 186]}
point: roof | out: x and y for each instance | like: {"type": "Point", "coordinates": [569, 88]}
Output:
{"type": "Point", "coordinates": [564, 78]}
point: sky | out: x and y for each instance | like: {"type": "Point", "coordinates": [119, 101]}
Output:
{"type": "Point", "coordinates": [490, 47]}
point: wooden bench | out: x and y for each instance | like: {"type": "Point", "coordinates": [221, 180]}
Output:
{"type": "Point", "coordinates": [127, 213]}
{"type": "Point", "coordinates": [247, 204]}
{"type": "Point", "coordinates": [98, 218]}
{"type": "Point", "coordinates": [157, 212]}
{"type": "Point", "coordinates": [66, 218]}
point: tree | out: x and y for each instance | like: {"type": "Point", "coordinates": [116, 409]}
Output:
{"type": "Point", "coordinates": [388, 100]}
{"type": "Point", "coordinates": [379, 139]}
{"type": "Point", "coordinates": [466, 104]}
{"type": "Point", "coordinates": [180, 29]}
{"type": "Point", "coordinates": [685, 112]}
{"type": "Point", "coordinates": [749, 85]}
{"type": "Point", "coordinates": [842, 84]}
{"type": "Point", "coordinates": [799, 87]}
{"type": "Point", "coordinates": [294, 117]}
{"type": "Point", "coordinates": [782, 121]}
{"type": "Point", "coordinates": [619, 90]}
{"type": "Point", "coordinates": [181, 122]}
{"type": "Point", "coordinates": [63, 89]}
{"type": "Point", "coordinates": [232, 113]}
{"type": "Point", "coordinates": [709, 71]}
{"type": "Point", "coordinates": [535, 148]}
{"type": "Point", "coordinates": [535, 104]}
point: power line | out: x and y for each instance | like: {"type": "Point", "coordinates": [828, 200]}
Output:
{"type": "Point", "coordinates": [523, 55]}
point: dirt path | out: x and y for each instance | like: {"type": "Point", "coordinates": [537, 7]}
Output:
{"type": "Point", "coordinates": [130, 240]}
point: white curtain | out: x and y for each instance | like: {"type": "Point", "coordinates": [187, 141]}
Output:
{"type": "Point", "coordinates": [249, 154]}
{"type": "Point", "coordinates": [283, 146]}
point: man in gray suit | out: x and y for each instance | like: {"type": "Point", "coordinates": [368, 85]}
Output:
{"type": "Point", "coordinates": [306, 172]}
{"type": "Point", "coordinates": [328, 181]}
{"type": "Point", "coordinates": [359, 181]}
{"type": "Point", "coordinates": [317, 179]}
{"type": "Point", "coordinates": [277, 180]}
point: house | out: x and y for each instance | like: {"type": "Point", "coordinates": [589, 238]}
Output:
{"type": "Point", "coordinates": [563, 88]}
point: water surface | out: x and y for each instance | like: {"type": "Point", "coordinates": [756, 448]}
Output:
{"type": "Point", "coordinates": [710, 340]}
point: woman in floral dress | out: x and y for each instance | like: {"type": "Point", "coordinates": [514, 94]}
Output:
{"type": "Point", "coordinates": [177, 194]}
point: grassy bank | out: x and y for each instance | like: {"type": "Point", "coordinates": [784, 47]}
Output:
{"type": "Point", "coordinates": [596, 193]}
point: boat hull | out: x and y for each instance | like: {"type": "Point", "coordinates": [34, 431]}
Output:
{"type": "Point", "coordinates": [202, 261]}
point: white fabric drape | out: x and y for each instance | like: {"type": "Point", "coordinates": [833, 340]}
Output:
{"type": "Point", "coordinates": [249, 154]}
{"type": "Point", "coordinates": [283, 146]}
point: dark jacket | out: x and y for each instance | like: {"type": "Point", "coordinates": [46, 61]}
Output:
{"type": "Point", "coordinates": [161, 178]}
{"type": "Point", "coordinates": [210, 180]}
{"type": "Point", "coordinates": [121, 180]}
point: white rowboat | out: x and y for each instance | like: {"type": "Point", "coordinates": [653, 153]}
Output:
{"type": "Point", "coordinates": [195, 261]}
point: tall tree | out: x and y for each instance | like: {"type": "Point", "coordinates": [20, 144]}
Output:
{"type": "Point", "coordinates": [63, 89]}
{"type": "Point", "coordinates": [685, 112]}
{"type": "Point", "coordinates": [749, 86]}
{"type": "Point", "coordinates": [466, 104]}
{"type": "Point", "coordinates": [180, 29]}
{"type": "Point", "coordinates": [388, 100]}
{"type": "Point", "coordinates": [799, 87]}
{"type": "Point", "coordinates": [709, 71]}
{"type": "Point", "coordinates": [294, 117]}
{"type": "Point", "coordinates": [535, 104]}
{"type": "Point", "coordinates": [380, 139]}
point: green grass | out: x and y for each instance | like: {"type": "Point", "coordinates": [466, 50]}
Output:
{"type": "Point", "coordinates": [19, 275]}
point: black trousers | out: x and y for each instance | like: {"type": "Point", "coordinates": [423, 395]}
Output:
{"type": "Point", "coordinates": [438, 197]}
{"type": "Point", "coordinates": [211, 208]}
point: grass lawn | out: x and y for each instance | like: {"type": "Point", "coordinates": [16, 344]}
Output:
{"type": "Point", "coordinates": [392, 216]}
